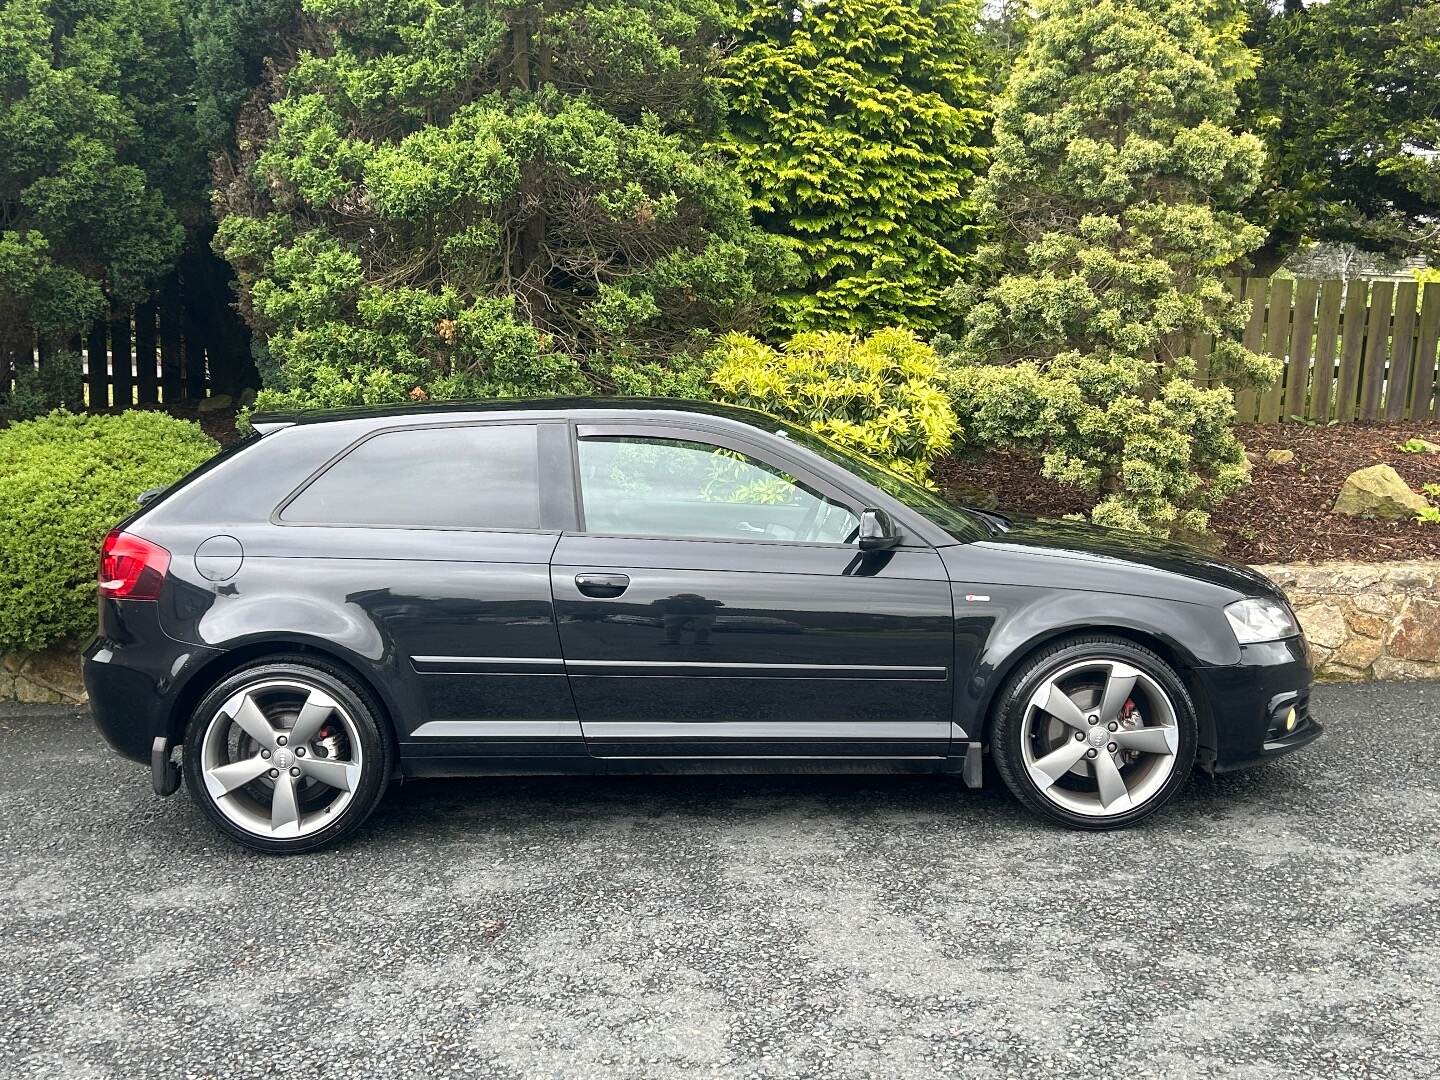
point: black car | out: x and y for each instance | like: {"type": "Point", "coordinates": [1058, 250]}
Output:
{"type": "Point", "coordinates": [605, 586]}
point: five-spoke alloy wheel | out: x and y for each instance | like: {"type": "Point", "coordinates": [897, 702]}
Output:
{"type": "Point", "coordinates": [286, 755]}
{"type": "Point", "coordinates": [1095, 732]}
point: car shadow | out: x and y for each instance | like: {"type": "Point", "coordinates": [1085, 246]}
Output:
{"type": "Point", "coordinates": [599, 805]}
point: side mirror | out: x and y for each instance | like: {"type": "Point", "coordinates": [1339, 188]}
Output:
{"type": "Point", "coordinates": [877, 532]}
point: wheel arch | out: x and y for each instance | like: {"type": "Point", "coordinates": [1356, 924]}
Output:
{"type": "Point", "coordinates": [1172, 652]}
{"type": "Point", "coordinates": [209, 674]}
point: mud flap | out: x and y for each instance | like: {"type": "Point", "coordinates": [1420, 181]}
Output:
{"type": "Point", "coordinates": [164, 773]}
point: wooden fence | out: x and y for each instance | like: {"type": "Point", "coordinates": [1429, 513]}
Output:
{"type": "Point", "coordinates": [174, 350]}
{"type": "Point", "coordinates": [1356, 350]}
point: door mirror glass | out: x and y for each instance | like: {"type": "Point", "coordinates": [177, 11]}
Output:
{"type": "Point", "coordinates": [877, 532]}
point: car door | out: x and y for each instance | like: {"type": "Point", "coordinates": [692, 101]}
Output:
{"type": "Point", "coordinates": [714, 603]}
{"type": "Point", "coordinates": [429, 547]}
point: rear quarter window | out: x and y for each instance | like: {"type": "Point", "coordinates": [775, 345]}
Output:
{"type": "Point", "coordinates": [454, 477]}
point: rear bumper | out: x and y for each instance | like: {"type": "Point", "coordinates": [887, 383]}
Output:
{"type": "Point", "coordinates": [1246, 700]}
{"type": "Point", "coordinates": [134, 673]}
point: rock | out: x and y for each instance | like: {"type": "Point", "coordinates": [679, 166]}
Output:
{"type": "Point", "coordinates": [1387, 667]}
{"type": "Point", "coordinates": [1417, 634]}
{"type": "Point", "coordinates": [1424, 446]}
{"type": "Point", "coordinates": [1365, 624]}
{"type": "Point", "coordinates": [1324, 625]}
{"type": "Point", "coordinates": [1378, 492]}
{"type": "Point", "coordinates": [1359, 653]}
{"type": "Point", "coordinates": [57, 670]}
{"type": "Point", "coordinates": [1280, 457]}
{"type": "Point", "coordinates": [30, 693]}
{"type": "Point", "coordinates": [1375, 603]}
{"type": "Point", "coordinates": [214, 403]}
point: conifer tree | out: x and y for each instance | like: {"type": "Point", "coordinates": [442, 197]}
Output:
{"type": "Point", "coordinates": [859, 126]}
{"type": "Point", "coordinates": [1111, 198]}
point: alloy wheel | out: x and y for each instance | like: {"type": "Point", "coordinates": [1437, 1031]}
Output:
{"type": "Point", "coordinates": [281, 758]}
{"type": "Point", "coordinates": [1100, 737]}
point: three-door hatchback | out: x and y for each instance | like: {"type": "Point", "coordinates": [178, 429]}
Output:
{"type": "Point", "coordinates": [598, 586]}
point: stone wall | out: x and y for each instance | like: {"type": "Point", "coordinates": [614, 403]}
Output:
{"type": "Point", "coordinates": [45, 678]}
{"type": "Point", "coordinates": [1365, 621]}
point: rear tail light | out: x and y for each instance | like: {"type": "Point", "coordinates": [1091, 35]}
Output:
{"type": "Point", "coordinates": [131, 567]}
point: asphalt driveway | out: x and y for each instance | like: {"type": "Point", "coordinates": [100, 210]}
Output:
{"type": "Point", "coordinates": [1284, 923]}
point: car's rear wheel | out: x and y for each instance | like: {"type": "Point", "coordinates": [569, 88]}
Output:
{"type": "Point", "coordinates": [1096, 733]}
{"type": "Point", "coordinates": [287, 755]}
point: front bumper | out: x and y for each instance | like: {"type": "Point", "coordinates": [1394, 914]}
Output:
{"type": "Point", "coordinates": [1245, 700]}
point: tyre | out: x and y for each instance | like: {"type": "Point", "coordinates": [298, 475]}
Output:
{"type": "Point", "coordinates": [287, 755]}
{"type": "Point", "coordinates": [1094, 732]}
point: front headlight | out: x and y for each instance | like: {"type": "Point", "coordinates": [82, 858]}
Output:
{"type": "Point", "coordinates": [1261, 619]}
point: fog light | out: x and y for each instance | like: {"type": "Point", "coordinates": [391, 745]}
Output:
{"type": "Point", "coordinates": [1291, 719]}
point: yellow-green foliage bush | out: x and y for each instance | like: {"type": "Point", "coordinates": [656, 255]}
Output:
{"type": "Point", "coordinates": [883, 395]}
{"type": "Point", "coordinates": [65, 481]}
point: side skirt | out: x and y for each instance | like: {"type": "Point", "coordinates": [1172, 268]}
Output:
{"type": "Point", "coordinates": [434, 767]}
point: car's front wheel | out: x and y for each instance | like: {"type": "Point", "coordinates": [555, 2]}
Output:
{"type": "Point", "coordinates": [1095, 732]}
{"type": "Point", "coordinates": [287, 755]}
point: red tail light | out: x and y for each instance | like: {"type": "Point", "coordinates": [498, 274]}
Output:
{"type": "Point", "coordinates": [131, 567]}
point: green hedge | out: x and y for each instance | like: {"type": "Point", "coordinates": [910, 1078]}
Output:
{"type": "Point", "coordinates": [65, 481]}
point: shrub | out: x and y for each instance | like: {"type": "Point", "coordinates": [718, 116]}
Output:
{"type": "Point", "coordinates": [66, 480]}
{"type": "Point", "coordinates": [1111, 196]}
{"type": "Point", "coordinates": [491, 200]}
{"type": "Point", "coordinates": [37, 392]}
{"type": "Point", "coordinates": [883, 395]}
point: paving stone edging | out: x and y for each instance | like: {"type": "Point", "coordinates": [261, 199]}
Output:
{"type": "Point", "coordinates": [1364, 620]}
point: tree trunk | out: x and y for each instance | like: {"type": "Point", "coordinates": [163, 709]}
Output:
{"type": "Point", "coordinates": [1271, 255]}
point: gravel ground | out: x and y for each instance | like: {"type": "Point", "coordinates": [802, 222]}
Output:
{"type": "Point", "coordinates": [1280, 923]}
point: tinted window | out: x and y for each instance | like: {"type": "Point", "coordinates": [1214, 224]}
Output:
{"type": "Point", "coordinates": [671, 487]}
{"type": "Point", "coordinates": [450, 477]}
{"type": "Point", "coordinates": [953, 518]}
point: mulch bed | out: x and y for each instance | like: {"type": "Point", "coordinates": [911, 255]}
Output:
{"type": "Point", "coordinates": [1284, 516]}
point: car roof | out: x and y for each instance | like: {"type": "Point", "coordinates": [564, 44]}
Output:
{"type": "Point", "coordinates": [628, 407]}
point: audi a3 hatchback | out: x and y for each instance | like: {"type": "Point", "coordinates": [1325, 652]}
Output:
{"type": "Point", "coordinates": [604, 586]}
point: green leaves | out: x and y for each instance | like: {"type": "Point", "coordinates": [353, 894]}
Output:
{"type": "Point", "coordinates": [89, 184]}
{"type": "Point", "coordinates": [1112, 201]}
{"type": "Point", "coordinates": [67, 480]}
{"type": "Point", "coordinates": [882, 395]}
{"type": "Point", "coordinates": [859, 127]}
{"type": "Point", "coordinates": [1347, 100]}
{"type": "Point", "coordinates": [433, 207]}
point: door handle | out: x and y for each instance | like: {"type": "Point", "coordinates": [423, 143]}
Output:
{"type": "Point", "coordinates": [602, 586]}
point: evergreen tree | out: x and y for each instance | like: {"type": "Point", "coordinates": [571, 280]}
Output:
{"type": "Point", "coordinates": [1348, 100]}
{"type": "Point", "coordinates": [859, 125]}
{"type": "Point", "coordinates": [92, 156]}
{"type": "Point", "coordinates": [1110, 197]}
{"type": "Point", "coordinates": [461, 197]}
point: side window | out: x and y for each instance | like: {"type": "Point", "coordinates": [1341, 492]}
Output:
{"type": "Point", "coordinates": [675, 488]}
{"type": "Point", "coordinates": [478, 477]}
